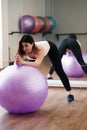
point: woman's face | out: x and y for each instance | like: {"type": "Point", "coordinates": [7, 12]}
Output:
{"type": "Point", "coordinates": [27, 47]}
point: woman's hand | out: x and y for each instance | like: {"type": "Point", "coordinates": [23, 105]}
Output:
{"type": "Point", "coordinates": [69, 51]}
{"type": "Point", "coordinates": [18, 59]}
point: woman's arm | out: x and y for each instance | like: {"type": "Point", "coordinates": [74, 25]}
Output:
{"type": "Point", "coordinates": [36, 63]}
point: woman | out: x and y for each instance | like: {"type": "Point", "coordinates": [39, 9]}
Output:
{"type": "Point", "coordinates": [29, 50]}
{"type": "Point", "coordinates": [70, 44]}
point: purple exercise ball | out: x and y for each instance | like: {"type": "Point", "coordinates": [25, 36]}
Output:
{"type": "Point", "coordinates": [71, 66]}
{"type": "Point", "coordinates": [22, 89]}
{"type": "Point", "coordinates": [26, 23]}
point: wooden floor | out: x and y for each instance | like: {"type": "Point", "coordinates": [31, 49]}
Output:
{"type": "Point", "coordinates": [54, 114]}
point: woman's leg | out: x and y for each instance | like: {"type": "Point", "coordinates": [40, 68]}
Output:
{"type": "Point", "coordinates": [51, 69]}
{"type": "Point", "coordinates": [62, 51]}
{"type": "Point", "coordinates": [56, 61]}
{"type": "Point", "coordinates": [74, 46]}
{"type": "Point", "coordinates": [49, 76]}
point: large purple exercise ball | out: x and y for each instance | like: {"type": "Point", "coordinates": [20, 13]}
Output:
{"type": "Point", "coordinates": [71, 66]}
{"type": "Point", "coordinates": [22, 89]}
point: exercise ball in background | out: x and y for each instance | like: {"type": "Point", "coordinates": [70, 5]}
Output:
{"type": "Point", "coordinates": [43, 23]}
{"type": "Point", "coordinates": [22, 89]}
{"type": "Point", "coordinates": [38, 25]}
{"type": "Point", "coordinates": [71, 66]}
{"type": "Point", "coordinates": [48, 25]}
{"type": "Point", "coordinates": [52, 23]}
{"type": "Point", "coordinates": [26, 23]}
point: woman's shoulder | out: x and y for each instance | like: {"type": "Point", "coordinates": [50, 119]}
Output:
{"type": "Point", "coordinates": [41, 42]}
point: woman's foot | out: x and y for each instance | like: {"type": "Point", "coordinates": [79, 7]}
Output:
{"type": "Point", "coordinates": [49, 77]}
{"type": "Point", "coordinates": [70, 98]}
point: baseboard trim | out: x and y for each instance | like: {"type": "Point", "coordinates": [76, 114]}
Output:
{"type": "Point", "coordinates": [74, 83]}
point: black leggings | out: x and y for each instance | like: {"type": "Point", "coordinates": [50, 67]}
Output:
{"type": "Point", "coordinates": [74, 46]}
{"type": "Point", "coordinates": [56, 61]}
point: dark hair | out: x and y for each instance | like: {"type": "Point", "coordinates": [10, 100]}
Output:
{"type": "Point", "coordinates": [28, 39]}
{"type": "Point", "coordinates": [72, 36]}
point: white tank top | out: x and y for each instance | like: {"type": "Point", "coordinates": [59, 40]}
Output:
{"type": "Point", "coordinates": [44, 44]}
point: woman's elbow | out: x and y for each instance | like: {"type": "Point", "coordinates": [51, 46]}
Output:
{"type": "Point", "coordinates": [37, 64]}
